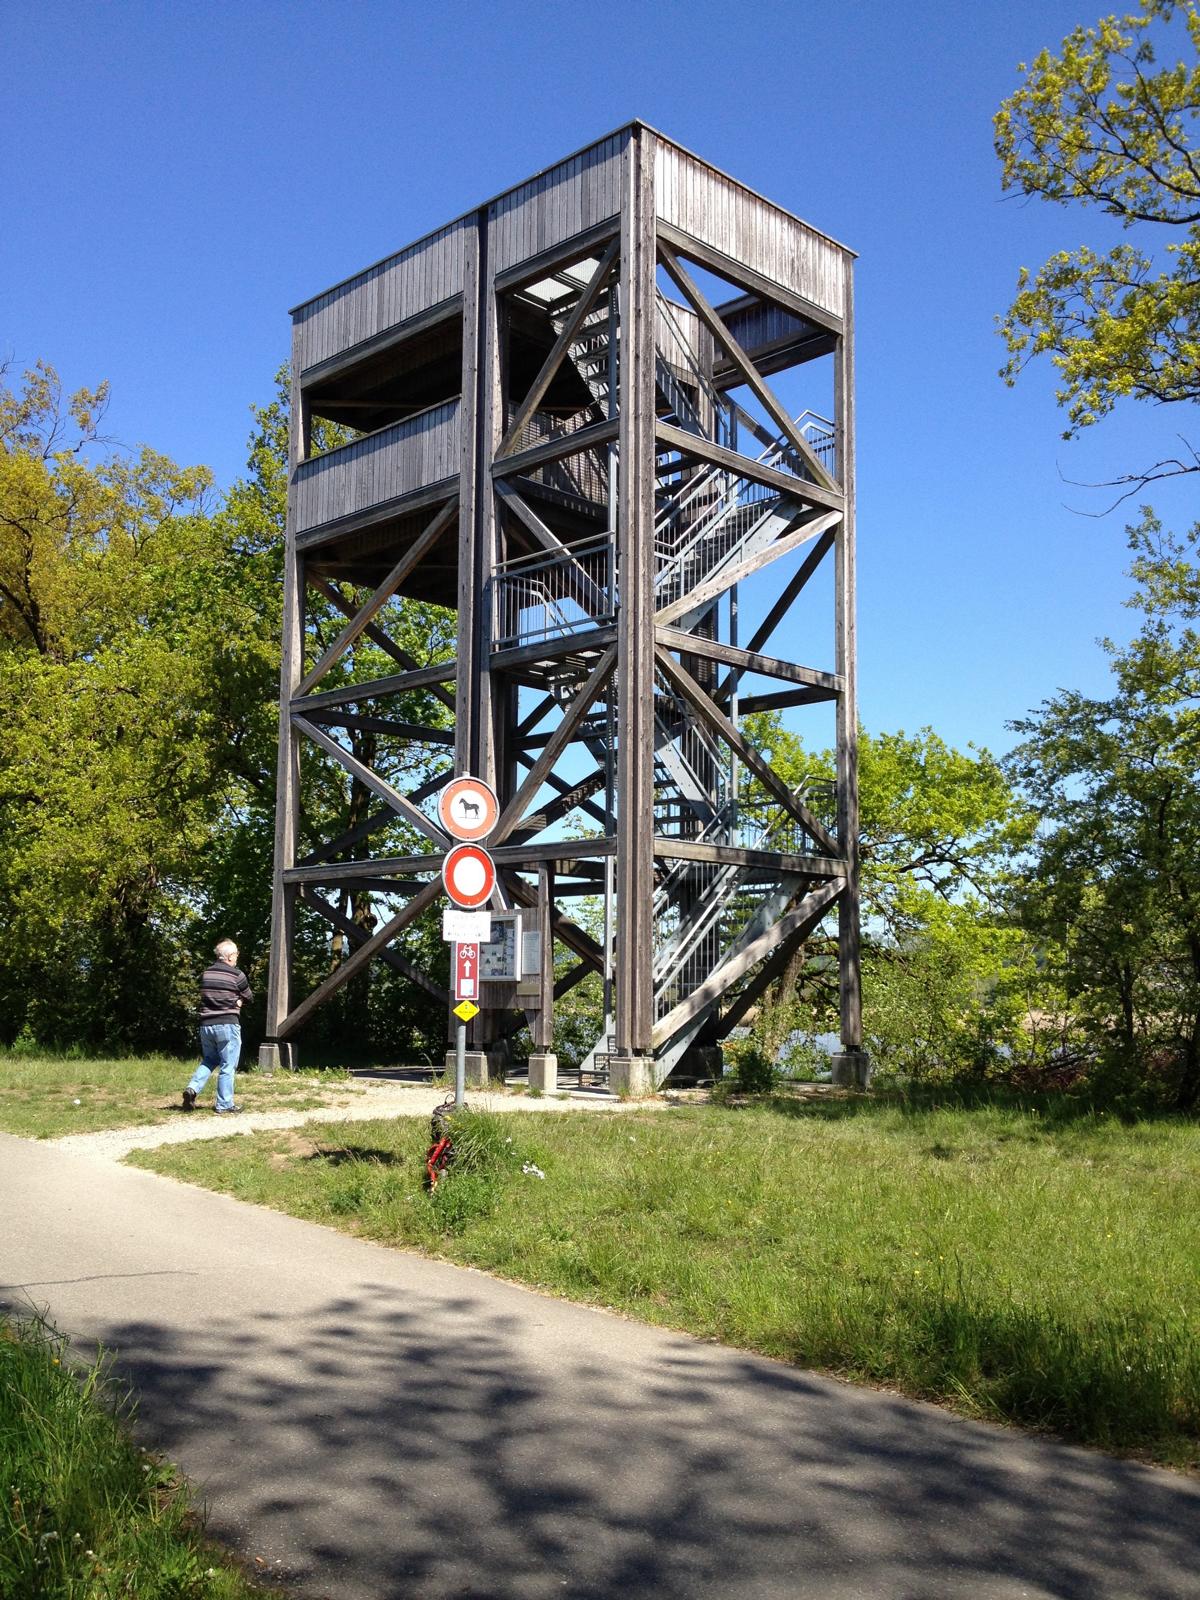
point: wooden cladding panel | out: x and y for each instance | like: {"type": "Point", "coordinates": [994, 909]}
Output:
{"type": "Point", "coordinates": [395, 461]}
{"type": "Point", "coordinates": [423, 275]}
{"type": "Point", "coordinates": [757, 324]}
{"type": "Point", "coordinates": [565, 200]}
{"type": "Point", "coordinates": [721, 213]}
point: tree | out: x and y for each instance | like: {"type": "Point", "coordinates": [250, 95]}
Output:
{"type": "Point", "coordinates": [139, 670]}
{"type": "Point", "coordinates": [949, 982]}
{"type": "Point", "coordinates": [1113, 884]}
{"type": "Point", "coordinates": [1103, 125]}
{"type": "Point", "coordinates": [132, 658]}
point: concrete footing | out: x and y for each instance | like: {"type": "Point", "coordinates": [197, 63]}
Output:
{"type": "Point", "coordinates": [851, 1069]}
{"type": "Point", "coordinates": [543, 1072]}
{"type": "Point", "coordinates": [274, 1057]}
{"type": "Point", "coordinates": [475, 1068]}
{"type": "Point", "coordinates": [631, 1075]}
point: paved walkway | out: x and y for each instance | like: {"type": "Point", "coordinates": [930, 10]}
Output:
{"type": "Point", "coordinates": [376, 1425]}
{"type": "Point", "coordinates": [358, 1102]}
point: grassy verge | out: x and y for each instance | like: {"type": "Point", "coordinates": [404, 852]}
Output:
{"type": "Point", "coordinates": [44, 1097]}
{"type": "Point", "coordinates": [1019, 1266]}
{"type": "Point", "coordinates": [85, 1514]}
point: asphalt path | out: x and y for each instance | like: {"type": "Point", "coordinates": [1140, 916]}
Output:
{"type": "Point", "coordinates": [373, 1425]}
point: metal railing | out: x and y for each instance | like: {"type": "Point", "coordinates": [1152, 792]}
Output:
{"type": "Point", "coordinates": [553, 594]}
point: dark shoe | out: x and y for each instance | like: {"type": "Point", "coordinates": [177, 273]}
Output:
{"type": "Point", "coordinates": [227, 1111]}
{"type": "Point", "coordinates": [189, 1099]}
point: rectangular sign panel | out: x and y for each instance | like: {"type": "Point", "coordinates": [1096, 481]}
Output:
{"type": "Point", "coordinates": [474, 926]}
{"type": "Point", "coordinates": [466, 971]}
{"type": "Point", "coordinates": [531, 953]}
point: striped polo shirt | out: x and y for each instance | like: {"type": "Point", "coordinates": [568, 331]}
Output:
{"type": "Point", "coordinates": [221, 987]}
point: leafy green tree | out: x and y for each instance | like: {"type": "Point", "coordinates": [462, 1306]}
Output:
{"type": "Point", "coordinates": [950, 985]}
{"type": "Point", "coordinates": [1106, 124]}
{"type": "Point", "coordinates": [1114, 883]}
{"type": "Point", "coordinates": [139, 662]}
{"type": "Point", "coordinates": [131, 657]}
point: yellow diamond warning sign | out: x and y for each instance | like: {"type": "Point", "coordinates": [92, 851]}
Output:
{"type": "Point", "coordinates": [466, 1010]}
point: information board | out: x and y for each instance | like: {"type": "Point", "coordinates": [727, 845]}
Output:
{"type": "Point", "coordinates": [500, 956]}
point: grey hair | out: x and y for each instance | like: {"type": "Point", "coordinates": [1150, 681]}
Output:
{"type": "Point", "coordinates": [226, 948]}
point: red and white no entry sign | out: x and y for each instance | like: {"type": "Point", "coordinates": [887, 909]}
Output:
{"type": "Point", "coordinates": [468, 808]}
{"type": "Point", "coordinates": [469, 875]}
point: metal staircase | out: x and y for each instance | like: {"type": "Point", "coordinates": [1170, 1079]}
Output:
{"type": "Point", "coordinates": [708, 520]}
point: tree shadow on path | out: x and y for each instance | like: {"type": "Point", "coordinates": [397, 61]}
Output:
{"type": "Point", "coordinates": [390, 1443]}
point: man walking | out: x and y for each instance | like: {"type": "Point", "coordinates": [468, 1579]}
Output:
{"type": "Point", "coordinates": [223, 992]}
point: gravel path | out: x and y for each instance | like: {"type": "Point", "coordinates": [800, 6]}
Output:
{"type": "Point", "coordinates": [361, 1102]}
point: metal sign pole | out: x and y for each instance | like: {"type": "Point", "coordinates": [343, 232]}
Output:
{"type": "Point", "coordinates": [460, 1065]}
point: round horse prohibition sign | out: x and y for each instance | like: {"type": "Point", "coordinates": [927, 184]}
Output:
{"type": "Point", "coordinates": [469, 876]}
{"type": "Point", "coordinates": [468, 808]}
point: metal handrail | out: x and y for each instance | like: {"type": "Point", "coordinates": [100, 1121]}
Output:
{"type": "Point", "coordinates": [690, 364]}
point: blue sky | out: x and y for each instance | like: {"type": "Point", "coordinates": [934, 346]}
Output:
{"type": "Point", "coordinates": [186, 172]}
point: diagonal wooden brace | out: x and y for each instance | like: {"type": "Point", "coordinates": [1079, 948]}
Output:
{"type": "Point", "coordinates": [557, 743]}
{"type": "Point", "coordinates": [366, 614]}
{"type": "Point", "coordinates": [361, 957]}
{"type": "Point", "coordinates": [720, 724]}
{"type": "Point", "coordinates": [754, 380]}
{"type": "Point", "coordinates": [554, 360]}
{"type": "Point", "coordinates": [377, 636]}
{"type": "Point", "coordinates": [380, 786]}
{"type": "Point", "coordinates": [391, 958]}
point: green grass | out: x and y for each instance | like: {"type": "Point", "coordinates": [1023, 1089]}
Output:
{"type": "Point", "coordinates": [38, 1093]}
{"type": "Point", "coordinates": [1037, 1268]}
{"type": "Point", "coordinates": [85, 1514]}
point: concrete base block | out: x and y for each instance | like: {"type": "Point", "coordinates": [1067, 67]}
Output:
{"type": "Point", "coordinates": [277, 1057]}
{"type": "Point", "coordinates": [851, 1069]}
{"type": "Point", "coordinates": [631, 1075]}
{"type": "Point", "coordinates": [543, 1072]}
{"type": "Point", "coordinates": [475, 1068]}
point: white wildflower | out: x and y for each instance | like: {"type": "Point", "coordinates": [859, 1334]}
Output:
{"type": "Point", "coordinates": [531, 1171]}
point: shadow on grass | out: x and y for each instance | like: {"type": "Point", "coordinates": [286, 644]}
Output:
{"type": "Point", "coordinates": [346, 1154]}
{"type": "Point", "coordinates": [1051, 1111]}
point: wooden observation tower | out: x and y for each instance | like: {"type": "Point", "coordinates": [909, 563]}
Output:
{"type": "Point", "coordinates": [607, 419]}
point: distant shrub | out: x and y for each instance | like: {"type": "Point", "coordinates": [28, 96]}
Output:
{"type": "Point", "coordinates": [749, 1069]}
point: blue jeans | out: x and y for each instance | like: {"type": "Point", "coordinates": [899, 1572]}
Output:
{"type": "Point", "coordinates": [220, 1051]}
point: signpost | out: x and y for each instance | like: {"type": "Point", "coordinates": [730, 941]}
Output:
{"type": "Point", "coordinates": [487, 946]}
{"type": "Point", "coordinates": [468, 810]}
